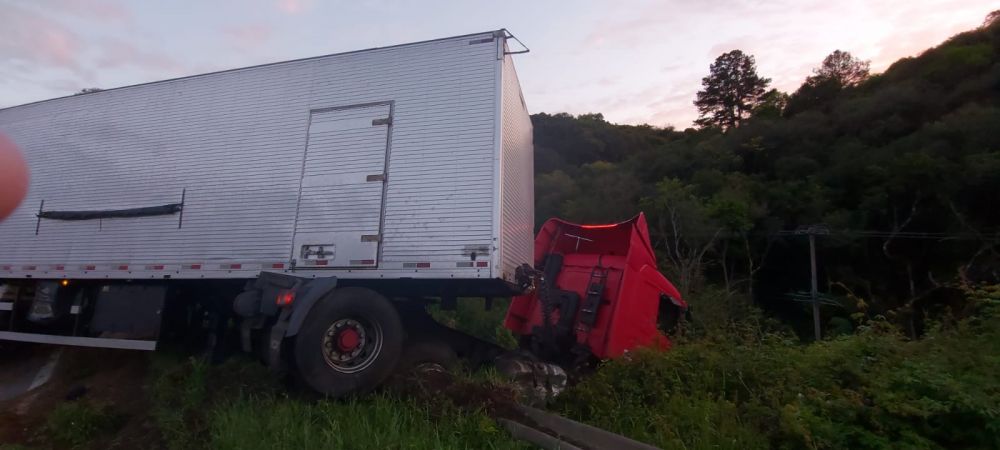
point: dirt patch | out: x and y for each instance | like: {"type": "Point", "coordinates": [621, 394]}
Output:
{"type": "Point", "coordinates": [498, 401]}
{"type": "Point", "coordinates": [434, 386]}
{"type": "Point", "coordinates": [115, 380]}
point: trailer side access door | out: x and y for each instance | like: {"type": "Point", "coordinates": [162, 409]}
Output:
{"type": "Point", "coordinates": [339, 219]}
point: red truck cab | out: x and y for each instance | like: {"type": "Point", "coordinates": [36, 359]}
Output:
{"type": "Point", "coordinates": [597, 288]}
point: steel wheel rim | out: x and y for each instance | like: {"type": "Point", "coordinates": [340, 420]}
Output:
{"type": "Point", "coordinates": [369, 344]}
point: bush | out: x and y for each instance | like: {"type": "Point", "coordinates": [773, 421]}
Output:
{"type": "Point", "coordinates": [873, 389]}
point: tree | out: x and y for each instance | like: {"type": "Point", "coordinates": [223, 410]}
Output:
{"type": "Point", "coordinates": [683, 229]}
{"type": "Point", "coordinates": [841, 67]}
{"type": "Point", "coordinates": [731, 91]}
{"type": "Point", "coordinates": [772, 104]}
{"type": "Point", "coordinates": [992, 19]}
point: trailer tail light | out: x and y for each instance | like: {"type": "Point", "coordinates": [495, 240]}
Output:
{"type": "Point", "coordinates": [285, 298]}
{"type": "Point", "coordinates": [482, 263]}
{"type": "Point", "coordinates": [278, 266]}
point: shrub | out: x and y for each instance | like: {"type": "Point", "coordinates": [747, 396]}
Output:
{"type": "Point", "coordinates": [873, 389]}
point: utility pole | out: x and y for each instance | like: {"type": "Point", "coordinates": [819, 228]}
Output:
{"type": "Point", "coordinates": [815, 290]}
{"type": "Point", "coordinates": [812, 231]}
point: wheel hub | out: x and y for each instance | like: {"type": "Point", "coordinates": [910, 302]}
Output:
{"type": "Point", "coordinates": [351, 344]}
{"type": "Point", "coordinates": [349, 340]}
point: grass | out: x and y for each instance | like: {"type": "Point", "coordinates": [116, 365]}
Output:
{"type": "Point", "coordinates": [240, 405]}
{"type": "Point", "coordinates": [375, 422]}
{"type": "Point", "coordinates": [735, 380]}
{"type": "Point", "coordinates": [75, 424]}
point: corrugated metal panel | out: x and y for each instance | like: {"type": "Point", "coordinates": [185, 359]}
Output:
{"type": "Point", "coordinates": [235, 142]}
{"type": "Point", "coordinates": [342, 185]}
{"type": "Point", "coordinates": [517, 176]}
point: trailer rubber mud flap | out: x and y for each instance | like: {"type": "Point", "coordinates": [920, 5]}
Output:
{"type": "Point", "coordinates": [305, 298]}
{"type": "Point", "coordinates": [273, 354]}
{"type": "Point", "coordinates": [118, 313]}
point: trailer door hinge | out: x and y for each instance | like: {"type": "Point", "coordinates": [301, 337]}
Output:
{"type": "Point", "coordinates": [385, 121]}
{"type": "Point", "coordinates": [371, 237]}
{"type": "Point", "coordinates": [376, 177]}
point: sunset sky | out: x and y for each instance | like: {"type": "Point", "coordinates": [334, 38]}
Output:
{"type": "Point", "coordinates": [634, 61]}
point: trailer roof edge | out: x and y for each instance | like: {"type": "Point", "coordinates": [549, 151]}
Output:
{"type": "Point", "coordinates": [502, 31]}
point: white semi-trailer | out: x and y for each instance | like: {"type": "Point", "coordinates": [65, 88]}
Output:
{"type": "Point", "coordinates": [316, 198]}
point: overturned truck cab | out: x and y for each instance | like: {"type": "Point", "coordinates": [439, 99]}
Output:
{"type": "Point", "coordinates": [597, 294]}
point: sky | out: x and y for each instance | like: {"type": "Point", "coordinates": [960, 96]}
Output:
{"type": "Point", "coordinates": [635, 61]}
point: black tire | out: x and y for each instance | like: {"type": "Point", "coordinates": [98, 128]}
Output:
{"type": "Point", "coordinates": [428, 352]}
{"type": "Point", "coordinates": [372, 317]}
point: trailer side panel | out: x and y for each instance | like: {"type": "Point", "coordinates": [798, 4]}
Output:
{"type": "Point", "coordinates": [517, 175]}
{"type": "Point", "coordinates": [230, 146]}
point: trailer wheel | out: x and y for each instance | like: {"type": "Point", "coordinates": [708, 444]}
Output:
{"type": "Point", "coordinates": [349, 343]}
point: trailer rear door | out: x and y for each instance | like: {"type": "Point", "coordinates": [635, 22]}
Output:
{"type": "Point", "coordinates": [339, 218]}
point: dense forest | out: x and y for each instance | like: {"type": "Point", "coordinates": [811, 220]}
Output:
{"type": "Point", "coordinates": [898, 173]}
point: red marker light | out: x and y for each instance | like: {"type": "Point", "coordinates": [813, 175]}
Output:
{"type": "Point", "coordinates": [285, 298]}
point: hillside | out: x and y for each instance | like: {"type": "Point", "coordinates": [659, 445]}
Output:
{"type": "Point", "coordinates": [903, 168]}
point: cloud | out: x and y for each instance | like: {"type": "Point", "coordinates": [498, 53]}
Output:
{"type": "Point", "coordinates": [248, 36]}
{"type": "Point", "coordinates": [102, 10]}
{"type": "Point", "coordinates": [292, 6]}
{"type": "Point", "coordinates": [35, 39]}
{"type": "Point", "coordinates": [787, 37]}
{"type": "Point", "coordinates": [117, 53]}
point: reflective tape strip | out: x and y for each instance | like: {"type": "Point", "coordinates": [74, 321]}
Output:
{"type": "Point", "coordinates": [127, 344]}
